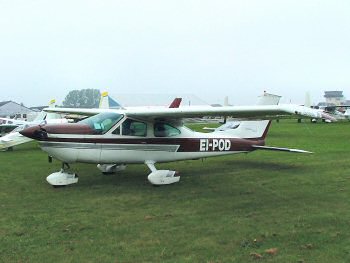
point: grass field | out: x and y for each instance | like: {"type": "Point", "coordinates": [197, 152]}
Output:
{"type": "Point", "coordinates": [225, 209]}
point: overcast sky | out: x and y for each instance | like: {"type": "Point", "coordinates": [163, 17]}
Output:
{"type": "Point", "coordinates": [207, 48]}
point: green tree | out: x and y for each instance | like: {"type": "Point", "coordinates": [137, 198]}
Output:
{"type": "Point", "coordinates": [85, 98]}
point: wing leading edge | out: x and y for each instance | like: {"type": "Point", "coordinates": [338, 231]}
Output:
{"type": "Point", "coordinates": [240, 112]}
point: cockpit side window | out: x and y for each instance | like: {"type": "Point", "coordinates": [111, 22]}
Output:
{"type": "Point", "coordinates": [165, 130]}
{"type": "Point", "coordinates": [102, 122]}
{"type": "Point", "coordinates": [132, 128]}
{"type": "Point", "coordinates": [116, 131]}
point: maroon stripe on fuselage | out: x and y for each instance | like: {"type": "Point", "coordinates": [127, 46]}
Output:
{"type": "Point", "coordinates": [185, 144]}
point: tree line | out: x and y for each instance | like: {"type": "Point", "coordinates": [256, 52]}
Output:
{"type": "Point", "coordinates": [85, 98]}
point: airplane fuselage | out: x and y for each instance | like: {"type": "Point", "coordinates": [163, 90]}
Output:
{"type": "Point", "coordinates": [103, 150]}
{"type": "Point", "coordinates": [72, 143]}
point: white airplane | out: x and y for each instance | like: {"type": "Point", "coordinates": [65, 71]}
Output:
{"type": "Point", "coordinates": [340, 112]}
{"type": "Point", "coordinates": [8, 121]}
{"type": "Point", "coordinates": [332, 111]}
{"type": "Point", "coordinates": [7, 125]}
{"type": "Point", "coordinates": [114, 138]}
{"type": "Point", "coordinates": [14, 138]}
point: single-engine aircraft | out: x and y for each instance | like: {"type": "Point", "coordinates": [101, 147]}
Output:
{"type": "Point", "coordinates": [113, 138]}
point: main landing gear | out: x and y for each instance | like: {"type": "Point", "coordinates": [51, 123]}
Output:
{"type": "Point", "coordinates": [62, 178]}
{"type": "Point", "coordinates": [161, 177]}
{"type": "Point", "coordinates": [156, 177]}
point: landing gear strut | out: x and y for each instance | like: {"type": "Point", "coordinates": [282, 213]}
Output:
{"type": "Point", "coordinates": [62, 178]}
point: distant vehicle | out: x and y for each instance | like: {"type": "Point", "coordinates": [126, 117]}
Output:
{"type": "Point", "coordinates": [113, 138]}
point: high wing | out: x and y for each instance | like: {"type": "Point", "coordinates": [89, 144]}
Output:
{"type": "Point", "coordinates": [239, 112]}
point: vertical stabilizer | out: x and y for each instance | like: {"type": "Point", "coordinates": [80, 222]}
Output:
{"type": "Point", "coordinates": [106, 102]}
{"type": "Point", "coordinates": [307, 100]}
{"type": "Point", "coordinates": [176, 103]}
{"type": "Point", "coordinates": [226, 101]}
{"type": "Point", "coordinates": [48, 116]}
{"type": "Point", "coordinates": [52, 103]}
{"type": "Point", "coordinates": [268, 99]}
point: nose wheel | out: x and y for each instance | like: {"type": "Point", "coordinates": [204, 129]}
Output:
{"type": "Point", "coordinates": [62, 178]}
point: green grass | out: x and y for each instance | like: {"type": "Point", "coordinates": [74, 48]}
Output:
{"type": "Point", "coordinates": [222, 210]}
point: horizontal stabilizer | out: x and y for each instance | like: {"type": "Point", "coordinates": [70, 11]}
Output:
{"type": "Point", "coordinates": [259, 147]}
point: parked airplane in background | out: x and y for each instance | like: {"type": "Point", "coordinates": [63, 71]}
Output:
{"type": "Point", "coordinates": [8, 121]}
{"type": "Point", "coordinates": [5, 129]}
{"type": "Point", "coordinates": [340, 112]}
{"type": "Point", "coordinates": [337, 112]}
{"type": "Point", "coordinates": [14, 138]}
{"type": "Point", "coordinates": [332, 111]}
{"type": "Point", "coordinates": [7, 124]}
{"type": "Point", "coordinates": [114, 138]}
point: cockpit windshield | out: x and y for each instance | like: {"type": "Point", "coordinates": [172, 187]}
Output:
{"type": "Point", "coordinates": [102, 122]}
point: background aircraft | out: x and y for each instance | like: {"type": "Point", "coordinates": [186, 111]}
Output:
{"type": "Point", "coordinates": [14, 138]}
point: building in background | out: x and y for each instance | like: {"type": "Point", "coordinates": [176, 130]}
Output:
{"type": "Point", "coordinates": [334, 97]}
{"type": "Point", "coordinates": [11, 109]}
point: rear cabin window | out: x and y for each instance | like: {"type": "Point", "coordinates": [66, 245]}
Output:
{"type": "Point", "coordinates": [165, 130]}
{"type": "Point", "coordinates": [132, 128]}
{"type": "Point", "coordinates": [102, 122]}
